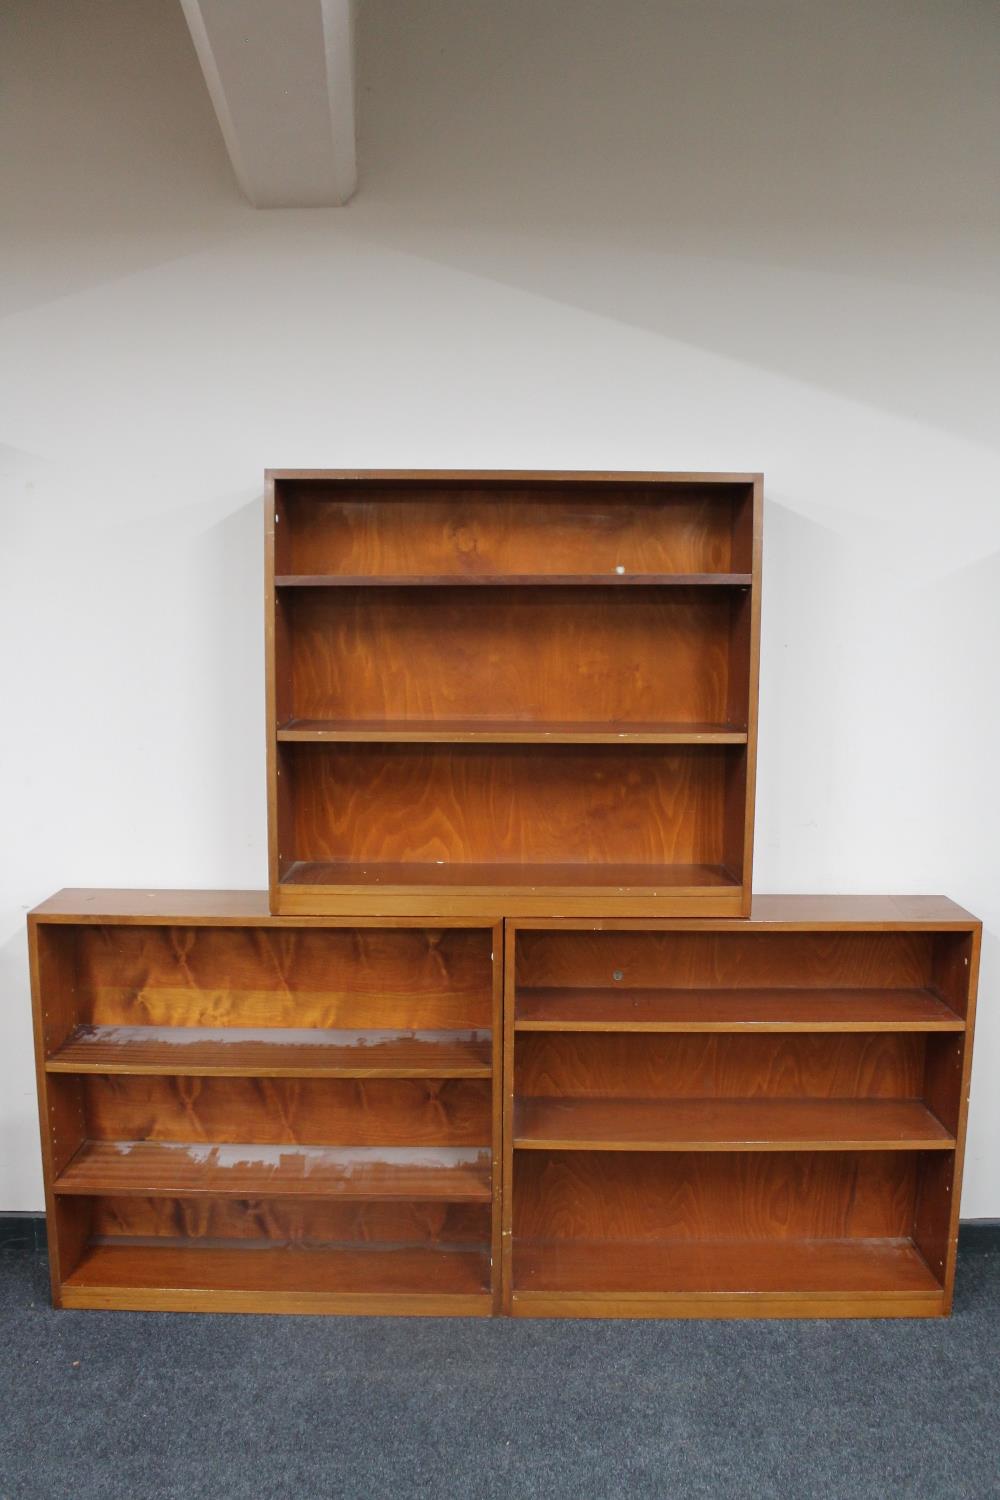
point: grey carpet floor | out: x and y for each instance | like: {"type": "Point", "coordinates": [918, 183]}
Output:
{"type": "Point", "coordinates": [96, 1406]}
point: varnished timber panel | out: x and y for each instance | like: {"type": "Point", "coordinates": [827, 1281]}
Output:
{"type": "Point", "coordinates": [642, 1197]}
{"type": "Point", "coordinates": [464, 528]}
{"type": "Point", "coordinates": [588, 805]}
{"type": "Point", "coordinates": [302, 1111]}
{"type": "Point", "coordinates": [526, 655]}
{"type": "Point", "coordinates": [396, 1280]}
{"type": "Point", "coordinates": [250, 1113]}
{"type": "Point", "coordinates": [626, 960]}
{"type": "Point", "coordinates": [843, 1066]}
{"type": "Point", "coordinates": [296, 1223]}
{"type": "Point", "coordinates": [302, 977]}
{"type": "Point", "coordinates": [181, 1169]}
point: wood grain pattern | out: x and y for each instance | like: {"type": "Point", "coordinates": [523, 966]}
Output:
{"type": "Point", "coordinates": [574, 804]}
{"type": "Point", "coordinates": [531, 613]}
{"type": "Point", "coordinates": [180, 1169]}
{"type": "Point", "coordinates": [526, 655]}
{"type": "Point", "coordinates": [718, 1066]}
{"type": "Point", "coordinates": [501, 525]}
{"type": "Point", "coordinates": [396, 1280]}
{"type": "Point", "coordinates": [766, 1196]}
{"type": "Point", "coordinates": [447, 731]}
{"type": "Point", "coordinates": [274, 1111]}
{"type": "Point", "coordinates": [795, 1268]}
{"type": "Point", "coordinates": [327, 978]}
{"type": "Point", "coordinates": [274, 1052]}
{"type": "Point", "coordinates": [295, 1223]}
{"type": "Point", "coordinates": [564, 1124]}
{"type": "Point", "coordinates": [508, 580]}
{"type": "Point", "coordinates": [736, 959]}
{"type": "Point", "coordinates": [779, 1010]}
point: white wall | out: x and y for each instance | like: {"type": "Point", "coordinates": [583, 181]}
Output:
{"type": "Point", "coordinates": [706, 235]}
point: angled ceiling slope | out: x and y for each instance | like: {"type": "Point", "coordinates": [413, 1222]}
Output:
{"type": "Point", "coordinates": [281, 77]}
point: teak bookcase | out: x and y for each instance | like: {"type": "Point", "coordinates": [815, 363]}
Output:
{"type": "Point", "coordinates": [253, 1113]}
{"type": "Point", "coordinates": [511, 692]}
{"type": "Point", "coordinates": [729, 1120]}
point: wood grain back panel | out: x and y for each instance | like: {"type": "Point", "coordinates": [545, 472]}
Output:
{"type": "Point", "coordinates": [464, 528]}
{"type": "Point", "coordinates": [302, 1223]}
{"type": "Point", "coordinates": [518, 654]}
{"type": "Point", "coordinates": [717, 1066]}
{"type": "Point", "coordinates": [299, 1111]}
{"type": "Point", "coordinates": [333, 977]}
{"type": "Point", "coordinates": [730, 960]}
{"type": "Point", "coordinates": [593, 1195]}
{"type": "Point", "coordinates": [568, 804]}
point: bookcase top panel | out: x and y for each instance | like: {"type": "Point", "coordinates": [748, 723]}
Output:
{"type": "Point", "coordinates": [808, 911]}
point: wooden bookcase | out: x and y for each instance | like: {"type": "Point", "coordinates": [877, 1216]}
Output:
{"type": "Point", "coordinates": [512, 692]}
{"type": "Point", "coordinates": [724, 1119]}
{"type": "Point", "coordinates": [255, 1113]}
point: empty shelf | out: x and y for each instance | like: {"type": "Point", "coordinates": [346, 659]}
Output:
{"type": "Point", "coordinates": [733, 1010]}
{"type": "Point", "coordinates": [679, 1268]}
{"type": "Point", "coordinates": [185, 1169]}
{"type": "Point", "coordinates": [289, 1279]}
{"type": "Point", "coordinates": [505, 732]}
{"type": "Point", "coordinates": [274, 1053]}
{"type": "Point", "coordinates": [573, 879]}
{"type": "Point", "coordinates": [504, 580]}
{"type": "Point", "coordinates": [565, 1124]}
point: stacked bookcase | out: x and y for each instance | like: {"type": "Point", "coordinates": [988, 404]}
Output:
{"type": "Point", "coordinates": [505, 1034]}
{"type": "Point", "coordinates": [244, 1112]}
{"type": "Point", "coordinates": [738, 1119]}
{"type": "Point", "coordinates": [515, 693]}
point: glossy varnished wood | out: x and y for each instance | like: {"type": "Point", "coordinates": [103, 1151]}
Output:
{"type": "Point", "coordinates": [174, 1169]}
{"type": "Point", "coordinates": [735, 1272]}
{"type": "Point", "coordinates": [575, 1124]}
{"type": "Point", "coordinates": [212, 1076]}
{"type": "Point", "coordinates": [307, 1111]}
{"type": "Point", "coordinates": [274, 1053]}
{"type": "Point", "coordinates": [478, 525]}
{"type": "Point", "coordinates": [534, 656]}
{"type": "Point", "coordinates": [362, 1279]}
{"type": "Point", "coordinates": [450, 654]}
{"type": "Point", "coordinates": [778, 1010]}
{"type": "Point", "coordinates": [793, 1088]}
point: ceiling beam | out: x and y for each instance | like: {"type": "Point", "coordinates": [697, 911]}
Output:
{"type": "Point", "coordinates": [281, 77]}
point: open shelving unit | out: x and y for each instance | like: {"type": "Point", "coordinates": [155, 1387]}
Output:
{"type": "Point", "coordinates": [250, 1112]}
{"type": "Point", "coordinates": [509, 692]}
{"type": "Point", "coordinates": [734, 1119]}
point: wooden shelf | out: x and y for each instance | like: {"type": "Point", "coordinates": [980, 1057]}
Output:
{"type": "Point", "coordinates": [502, 732]}
{"type": "Point", "coordinates": [747, 1268]}
{"type": "Point", "coordinates": [564, 1124]}
{"type": "Point", "coordinates": [273, 1053]}
{"type": "Point", "coordinates": [555, 676]}
{"type": "Point", "coordinates": [183, 1169]}
{"type": "Point", "coordinates": [751, 1010]}
{"type": "Point", "coordinates": [513, 580]}
{"type": "Point", "coordinates": [680, 880]}
{"type": "Point", "coordinates": [366, 1278]}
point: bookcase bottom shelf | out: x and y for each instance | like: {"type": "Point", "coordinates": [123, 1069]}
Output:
{"type": "Point", "coordinates": [378, 888]}
{"type": "Point", "coordinates": [369, 1279]}
{"type": "Point", "coordinates": [734, 1278]}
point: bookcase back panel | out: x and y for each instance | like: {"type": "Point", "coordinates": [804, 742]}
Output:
{"type": "Point", "coordinates": [456, 527]}
{"type": "Point", "coordinates": [531, 655]}
{"type": "Point", "coordinates": [706, 960]}
{"type": "Point", "coordinates": [643, 1196]}
{"type": "Point", "coordinates": [289, 1222]}
{"type": "Point", "coordinates": [300, 1111]}
{"type": "Point", "coordinates": [282, 977]}
{"type": "Point", "coordinates": [717, 1066]}
{"type": "Point", "coordinates": [590, 805]}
